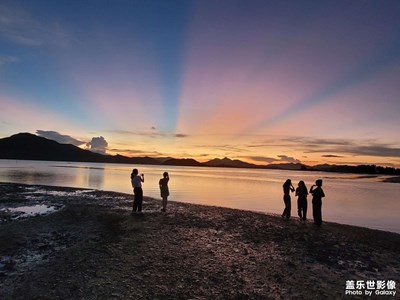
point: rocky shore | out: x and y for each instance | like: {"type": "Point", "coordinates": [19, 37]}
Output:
{"type": "Point", "coordinates": [85, 244]}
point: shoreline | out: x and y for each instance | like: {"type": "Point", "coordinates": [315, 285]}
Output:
{"type": "Point", "coordinates": [189, 162]}
{"type": "Point", "coordinates": [392, 179]}
{"type": "Point", "coordinates": [92, 247]}
{"type": "Point", "coordinates": [294, 218]}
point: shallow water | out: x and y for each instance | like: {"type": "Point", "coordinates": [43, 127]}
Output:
{"type": "Point", "coordinates": [350, 199]}
{"type": "Point", "coordinates": [38, 209]}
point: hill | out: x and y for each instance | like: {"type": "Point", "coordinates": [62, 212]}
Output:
{"type": "Point", "coordinates": [183, 162]}
{"type": "Point", "coordinates": [26, 146]}
{"type": "Point", "coordinates": [229, 163]}
{"type": "Point", "coordinates": [29, 146]}
{"type": "Point", "coordinates": [288, 166]}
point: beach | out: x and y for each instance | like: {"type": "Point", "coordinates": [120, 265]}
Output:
{"type": "Point", "coordinates": [88, 245]}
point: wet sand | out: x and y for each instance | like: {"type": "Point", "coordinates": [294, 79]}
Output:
{"type": "Point", "coordinates": [91, 247]}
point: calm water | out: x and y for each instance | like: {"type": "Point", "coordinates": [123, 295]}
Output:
{"type": "Point", "coordinates": [350, 199]}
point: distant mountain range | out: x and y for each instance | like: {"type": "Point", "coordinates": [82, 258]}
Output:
{"type": "Point", "coordinates": [26, 146]}
{"type": "Point", "coordinates": [229, 163]}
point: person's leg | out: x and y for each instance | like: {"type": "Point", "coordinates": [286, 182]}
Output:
{"type": "Point", "coordinates": [305, 211]}
{"type": "Point", "coordinates": [135, 201]}
{"type": "Point", "coordinates": [314, 211]}
{"type": "Point", "coordinates": [288, 207]}
{"type": "Point", "coordinates": [318, 214]}
{"type": "Point", "coordinates": [300, 208]}
{"type": "Point", "coordinates": [286, 211]}
{"type": "Point", "coordinates": [164, 202]}
{"type": "Point", "coordinates": [140, 199]}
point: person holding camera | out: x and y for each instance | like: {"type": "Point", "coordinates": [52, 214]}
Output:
{"type": "Point", "coordinates": [163, 183]}
{"type": "Point", "coordinates": [287, 188]}
{"type": "Point", "coordinates": [317, 192]}
{"type": "Point", "coordinates": [301, 193]}
{"type": "Point", "coordinates": [136, 181]}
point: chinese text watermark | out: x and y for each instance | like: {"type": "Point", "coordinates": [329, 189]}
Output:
{"type": "Point", "coordinates": [370, 287]}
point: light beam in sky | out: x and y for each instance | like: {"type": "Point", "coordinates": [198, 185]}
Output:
{"type": "Point", "coordinates": [255, 80]}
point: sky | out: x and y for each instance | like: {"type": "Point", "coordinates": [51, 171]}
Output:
{"type": "Point", "coordinates": [267, 81]}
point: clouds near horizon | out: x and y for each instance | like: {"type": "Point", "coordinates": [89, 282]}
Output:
{"type": "Point", "coordinates": [98, 144]}
{"type": "Point", "coordinates": [61, 138]}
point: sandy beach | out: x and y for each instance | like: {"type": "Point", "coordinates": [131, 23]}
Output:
{"type": "Point", "coordinates": [89, 246]}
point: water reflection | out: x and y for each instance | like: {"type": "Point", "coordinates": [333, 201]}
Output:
{"type": "Point", "coordinates": [349, 199]}
{"type": "Point", "coordinates": [96, 178]}
{"type": "Point", "coordinates": [32, 176]}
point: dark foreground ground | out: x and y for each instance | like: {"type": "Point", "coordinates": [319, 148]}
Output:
{"type": "Point", "coordinates": [93, 248]}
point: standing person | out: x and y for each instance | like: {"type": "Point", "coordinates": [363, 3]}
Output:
{"type": "Point", "coordinates": [163, 183]}
{"type": "Point", "coordinates": [317, 192]}
{"type": "Point", "coordinates": [287, 188]}
{"type": "Point", "coordinates": [136, 182]}
{"type": "Point", "coordinates": [301, 193]}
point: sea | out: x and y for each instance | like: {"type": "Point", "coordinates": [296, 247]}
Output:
{"type": "Point", "coordinates": [351, 199]}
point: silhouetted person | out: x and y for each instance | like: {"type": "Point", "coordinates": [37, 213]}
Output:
{"type": "Point", "coordinates": [318, 194]}
{"type": "Point", "coordinates": [287, 188]}
{"type": "Point", "coordinates": [136, 181]}
{"type": "Point", "coordinates": [301, 193]}
{"type": "Point", "coordinates": [163, 183]}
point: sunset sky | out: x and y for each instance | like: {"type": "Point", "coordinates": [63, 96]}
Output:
{"type": "Point", "coordinates": [260, 81]}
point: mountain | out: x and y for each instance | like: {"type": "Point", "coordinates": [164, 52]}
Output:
{"type": "Point", "coordinates": [183, 162]}
{"type": "Point", "coordinates": [32, 147]}
{"type": "Point", "coordinates": [323, 167]}
{"type": "Point", "coordinates": [226, 162]}
{"type": "Point", "coordinates": [120, 159]}
{"type": "Point", "coordinates": [288, 166]}
{"type": "Point", "coordinates": [163, 159]}
{"type": "Point", "coordinates": [29, 146]}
